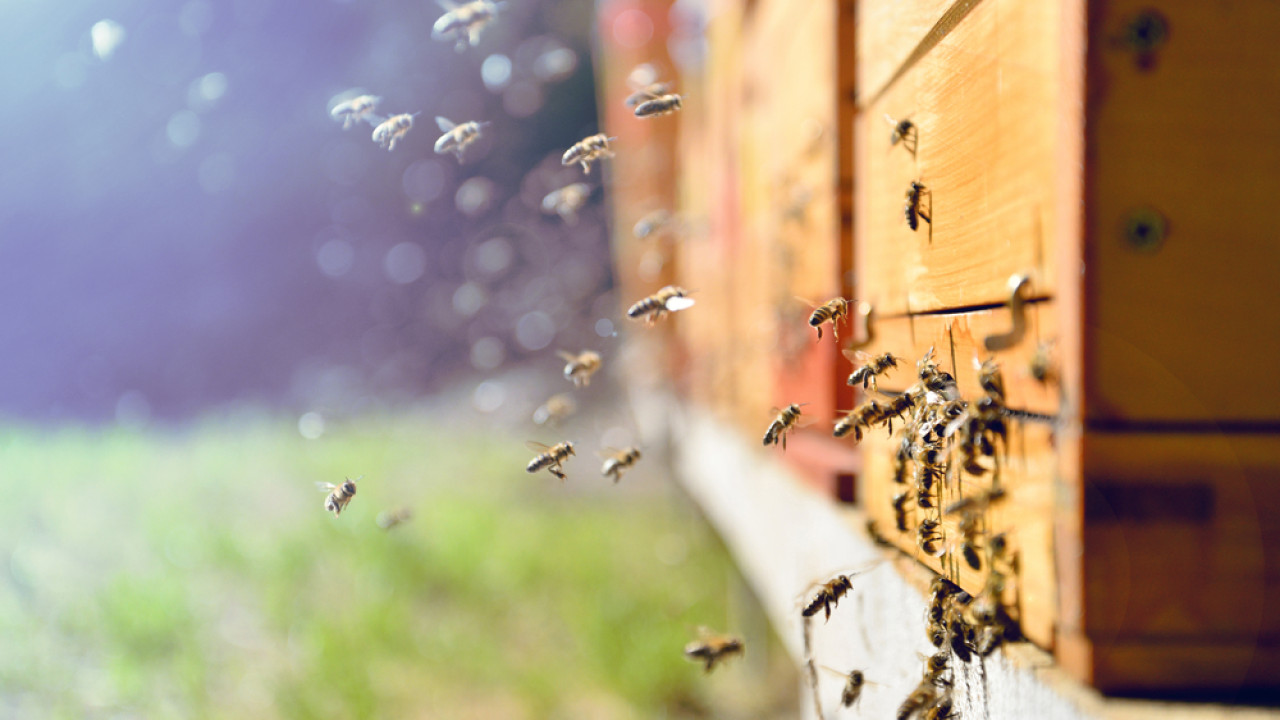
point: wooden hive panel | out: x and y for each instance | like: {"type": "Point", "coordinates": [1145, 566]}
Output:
{"type": "Point", "coordinates": [888, 32]}
{"type": "Point", "coordinates": [985, 103]}
{"type": "Point", "coordinates": [1191, 136]}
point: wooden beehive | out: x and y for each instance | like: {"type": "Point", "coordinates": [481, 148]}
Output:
{"type": "Point", "coordinates": [1118, 157]}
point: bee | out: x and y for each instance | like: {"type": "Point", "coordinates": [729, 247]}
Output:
{"type": "Point", "coordinates": [617, 462]}
{"type": "Point", "coordinates": [871, 367]}
{"type": "Point", "coordinates": [899, 503]}
{"type": "Point", "coordinates": [1041, 366]}
{"type": "Point", "coordinates": [832, 311]}
{"type": "Point", "coordinates": [912, 209]}
{"type": "Point", "coordinates": [588, 150]}
{"type": "Point", "coordinates": [940, 709]}
{"type": "Point", "coordinates": [579, 368]}
{"type": "Point", "coordinates": [643, 80]}
{"type": "Point", "coordinates": [355, 110]}
{"type": "Point", "coordinates": [901, 457]}
{"type": "Point", "coordinates": [555, 410]}
{"type": "Point", "coordinates": [929, 471]}
{"type": "Point", "coordinates": [969, 540]}
{"type": "Point", "coordinates": [388, 519]}
{"type": "Point", "coordinates": [660, 105]}
{"type": "Point", "coordinates": [784, 420]}
{"type": "Point", "coordinates": [462, 23]}
{"type": "Point", "coordinates": [567, 201]}
{"type": "Point", "coordinates": [827, 596]}
{"type": "Point", "coordinates": [652, 308]}
{"type": "Point", "coordinates": [854, 682]}
{"type": "Point", "coordinates": [990, 379]}
{"type": "Point", "coordinates": [710, 648]}
{"type": "Point", "coordinates": [339, 495]}
{"type": "Point", "coordinates": [960, 636]}
{"type": "Point", "coordinates": [923, 696]}
{"type": "Point", "coordinates": [895, 408]}
{"type": "Point", "coordinates": [457, 137]}
{"type": "Point", "coordinates": [858, 419]}
{"type": "Point", "coordinates": [651, 224]}
{"type": "Point", "coordinates": [934, 667]}
{"type": "Point", "coordinates": [932, 378]}
{"type": "Point", "coordinates": [393, 129]}
{"type": "Point", "coordinates": [905, 132]}
{"type": "Point", "coordinates": [928, 537]}
{"type": "Point", "coordinates": [551, 458]}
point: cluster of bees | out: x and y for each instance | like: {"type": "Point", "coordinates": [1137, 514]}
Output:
{"type": "Point", "coordinates": [943, 441]}
{"type": "Point", "coordinates": [463, 24]}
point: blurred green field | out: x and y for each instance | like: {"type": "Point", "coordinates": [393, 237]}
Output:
{"type": "Point", "coordinates": [193, 573]}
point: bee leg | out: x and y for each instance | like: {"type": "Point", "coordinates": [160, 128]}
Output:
{"type": "Point", "coordinates": [586, 167]}
{"type": "Point", "coordinates": [819, 329]}
{"type": "Point", "coordinates": [783, 441]}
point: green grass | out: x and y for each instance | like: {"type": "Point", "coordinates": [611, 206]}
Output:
{"type": "Point", "coordinates": [194, 574]}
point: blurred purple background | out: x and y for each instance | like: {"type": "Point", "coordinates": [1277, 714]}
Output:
{"type": "Point", "coordinates": [184, 227]}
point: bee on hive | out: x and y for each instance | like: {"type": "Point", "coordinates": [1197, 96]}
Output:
{"type": "Point", "coordinates": [912, 209]}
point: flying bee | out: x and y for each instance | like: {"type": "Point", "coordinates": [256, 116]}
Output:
{"type": "Point", "coordinates": [616, 462]}
{"type": "Point", "coordinates": [895, 408]}
{"type": "Point", "coordinates": [457, 137]}
{"type": "Point", "coordinates": [643, 80]}
{"type": "Point", "coordinates": [462, 23]}
{"type": "Point", "coordinates": [652, 308]}
{"type": "Point", "coordinates": [923, 696]}
{"type": "Point", "coordinates": [858, 419]}
{"type": "Point", "coordinates": [355, 110]}
{"type": "Point", "coordinates": [579, 368]}
{"type": "Point", "coordinates": [393, 129]}
{"type": "Point", "coordinates": [827, 596]}
{"type": "Point", "coordinates": [651, 224]}
{"type": "Point", "coordinates": [549, 457]}
{"type": "Point", "coordinates": [555, 410]}
{"type": "Point", "coordinates": [872, 366]}
{"type": "Point", "coordinates": [832, 311]}
{"type": "Point", "coordinates": [587, 151]}
{"type": "Point", "coordinates": [388, 519]}
{"type": "Point", "coordinates": [784, 420]}
{"type": "Point", "coordinates": [660, 105]}
{"type": "Point", "coordinates": [905, 132]}
{"type": "Point", "coordinates": [990, 379]}
{"type": "Point", "coordinates": [929, 537]}
{"type": "Point", "coordinates": [854, 682]}
{"type": "Point", "coordinates": [567, 201]}
{"type": "Point", "coordinates": [710, 648]}
{"type": "Point", "coordinates": [912, 209]}
{"type": "Point", "coordinates": [339, 495]}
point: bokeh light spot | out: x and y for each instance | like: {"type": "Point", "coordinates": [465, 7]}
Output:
{"type": "Point", "coordinates": [488, 396]}
{"type": "Point", "coordinates": [632, 28]}
{"type": "Point", "coordinates": [496, 71]}
{"type": "Point", "coordinates": [106, 36]}
{"type": "Point", "coordinates": [335, 257]}
{"type": "Point", "coordinates": [183, 128]}
{"type": "Point", "coordinates": [494, 256]}
{"type": "Point", "coordinates": [535, 330]}
{"type": "Point", "coordinates": [474, 196]}
{"type": "Point", "coordinates": [487, 353]}
{"type": "Point", "coordinates": [604, 328]}
{"type": "Point", "coordinates": [405, 263]}
{"type": "Point", "coordinates": [311, 425]}
{"type": "Point", "coordinates": [468, 299]}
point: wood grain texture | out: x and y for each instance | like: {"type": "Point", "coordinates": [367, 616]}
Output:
{"type": "Point", "coordinates": [1193, 138]}
{"type": "Point", "coordinates": [985, 103]}
{"type": "Point", "coordinates": [888, 32]}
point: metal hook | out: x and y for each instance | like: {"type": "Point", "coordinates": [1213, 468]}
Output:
{"type": "Point", "coordinates": [862, 332]}
{"type": "Point", "coordinates": [1017, 288]}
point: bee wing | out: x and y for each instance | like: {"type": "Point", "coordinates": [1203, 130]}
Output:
{"type": "Point", "coordinates": [374, 119]}
{"type": "Point", "coordinates": [326, 487]}
{"type": "Point", "coordinates": [834, 671]}
{"type": "Point", "coordinates": [806, 301]}
{"type": "Point", "coordinates": [567, 356]}
{"type": "Point", "coordinates": [536, 446]}
{"type": "Point", "coordinates": [610, 453]}
{"type": "Point", "coordinates": [445, 124]}
{"type": "Point", "coordinates": [679, 303]}
{"type": "Point", "coordinates": [447, 4]}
